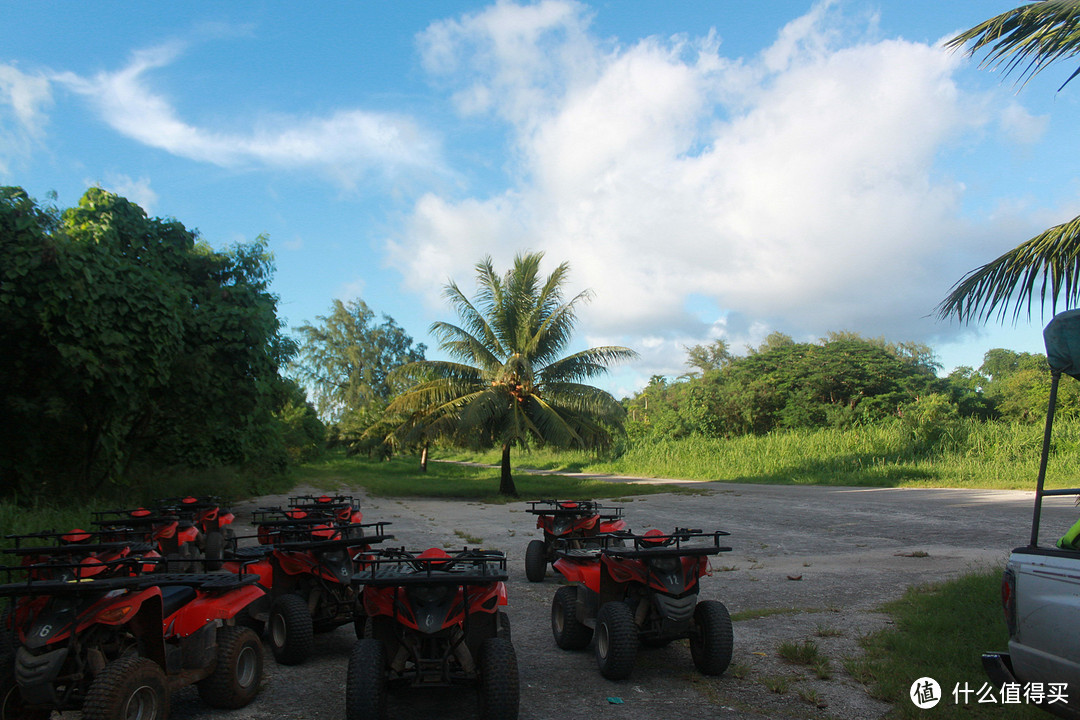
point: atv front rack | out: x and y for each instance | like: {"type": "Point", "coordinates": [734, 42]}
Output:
{"type": "Point", "coordinates": [346, 542]}
{"type": "Point", "coordinates": [201, 581]}
{"type": "Point", "coordinates": [331, 502]}
{"type": "Point", "coordinates": [682, 542]}
{"type": "Point", "coordinates": [121, 519]}
{"type": "Point", "coordinates": [189, 503]}
{"type": "Point", "coordinates": [272, 531]}
{"type": "Point", "coordinates": [392, 567]}
{"type": "Point", "coordinates": [283, 516]}
{"type": "Point", "coordinates": [70, 542]}
{"type": "Point", "coordinates": [583, 508]}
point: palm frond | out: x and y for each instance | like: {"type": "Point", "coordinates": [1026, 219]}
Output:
{"type": "Point", "coordinates": [465, 346]}
{"type": "Point", "coordinates": [475, 321]}
{"type": "Point", "coordinates": [1053, 256]}
{"type": "Point", "coordinates": [486, 407]}
{"type": "Point", "coordinates": [556, 330]}
{"type": "Point", "coordinates": [585, 364]}
{"type": "Point", "coordinates": [584, 400]}
{"type": "Point", "coordinates": [551, 426]}
{"type": "Point", "coordinates": [1026, 39]}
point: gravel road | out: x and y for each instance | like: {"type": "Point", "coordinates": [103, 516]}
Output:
{"type": "Point", "coordinates": [831, 556]}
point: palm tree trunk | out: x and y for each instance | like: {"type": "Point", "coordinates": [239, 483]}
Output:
{"type": "Point", "coordinates": [423, 458]}
{"type": "Point", "coordinates": [506, 482]}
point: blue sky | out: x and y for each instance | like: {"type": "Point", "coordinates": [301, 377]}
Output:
{"type": "Point", "coordinates": [709, 170]}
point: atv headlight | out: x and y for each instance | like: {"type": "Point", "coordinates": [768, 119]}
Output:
{"type": "Point", "coordinates": [563, 525]}
{"type": "Point", "coordinates": [428, 594]}
{"type": "Point", "coordinates": [666, 565]}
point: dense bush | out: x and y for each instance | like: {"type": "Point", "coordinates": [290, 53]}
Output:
{"type": "Point", "coordinates": [129, 343]}
{"type": "Point", "coordinates": [844, 381]}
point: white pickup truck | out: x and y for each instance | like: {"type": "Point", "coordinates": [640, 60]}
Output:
{"type": "Point", "coordinates": [1040, 588]}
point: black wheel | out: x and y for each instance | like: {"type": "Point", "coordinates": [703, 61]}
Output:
{"type": "Point", "coordinates": [498, 689]}
{"type": "Point", "coordinates": [569, 632]}
{"type": "Point", "coordinates": [12, 706]}
{"type": "Point", "coordinates": [236, 677]}
{"type": "Point", "coordinates": [215, 550]}
{"type": "Point", "coordinates": [536, 561]}
{"type": "Point", "coordinates": [129, 688]}
{"type": "Point", "coordinates": [230, 541]}
{"type": "Point", "coordinates": [291, 634]}
{"type": "Point", "coordinates": [365, 684]}
{"type": "Point", "coordinates": [503, 630]}
{"type": "Point", "coordinates": [616, 640]}
{"type": "Point", "coordinates": [711, 638]}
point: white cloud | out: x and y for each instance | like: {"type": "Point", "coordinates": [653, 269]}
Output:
{"type": "Point", "coordinates": [1021, 126]}
{"type": "Point", "coordinates": [23, 99]}
{"type": "Point", "coordinates": [797, 190]}
{"type": "Point", "coordinates": [346, 145]}
{"type": "Point", "coordinates": [137, 191]}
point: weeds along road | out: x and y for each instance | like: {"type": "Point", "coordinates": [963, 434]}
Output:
{"type": "Point", "coordinates": [830, 555]}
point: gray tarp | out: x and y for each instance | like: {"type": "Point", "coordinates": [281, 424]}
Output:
{"type": "Point", "coordinates": [1062, 337]}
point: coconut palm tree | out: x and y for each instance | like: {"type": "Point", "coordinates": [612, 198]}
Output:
{"type": "Point", "coordinates": [507, 381]}
{"type": "Point", "coordinates": [1024, 40]}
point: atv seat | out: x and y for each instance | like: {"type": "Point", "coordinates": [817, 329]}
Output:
{"type": "Point", "coordinates": [174, 597]}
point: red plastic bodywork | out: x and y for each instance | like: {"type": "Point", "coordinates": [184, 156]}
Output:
{"type": "Point", "coordinates": [586, 572]}
{"type": "Point", "coordinates": [392, 602]}
{"type": "Point", "coordinates": [634, 570]}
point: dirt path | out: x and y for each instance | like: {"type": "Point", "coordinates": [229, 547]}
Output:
{"type": "Point", "coordinates": [829, 557]}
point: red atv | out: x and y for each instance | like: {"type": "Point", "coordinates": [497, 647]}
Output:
{"type": "Point", "coordinates": [567, 523]}
{"type": "Point", "coordinates": [434, 621]}
{"type": "Point", "coordinates": [175, 535]}
{"type": "Point", "coordinates": [308, 581]}
{"type": "Point", "coordinates": [210, 519]}
{"type": "Point", "coordinates": [343, 508]}
{"type": "Point", "coordinates": [306, 517]}
{"type": "Point", "coordinates": [642, 595]}
{"type": "Point", "coordinates": [89, 552]}
{"type": "Point", "coordinates": [115, 645]}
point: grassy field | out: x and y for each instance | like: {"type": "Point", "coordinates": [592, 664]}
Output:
{"type": "Point", "coordinates": [989, 455]}
{"type": "Point", "coordinates": [402, 477]}
{"type": "Point", "coordinates": [940, 632]}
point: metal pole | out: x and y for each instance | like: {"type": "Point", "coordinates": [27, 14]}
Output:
{"type": "Point", "coordinates": [1055, 376]}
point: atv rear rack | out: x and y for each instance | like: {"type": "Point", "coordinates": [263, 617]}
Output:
{"type": "Point", "coordinates": [398, 566]}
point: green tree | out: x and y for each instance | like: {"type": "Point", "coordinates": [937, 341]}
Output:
{"type": "Point", "coordinates": [708, 358]}
{"type": "Point", "coordinates": [347, 358]}
{"type": "Point", "coordinates": [508, 381]}
{"type": "Point", "coordinates": [1024, 40]}
{"type": "Point", "coordinates": [784, 384]}
{"type": "Point", "coordinates": [130, 340]}
{"type": "Point", "coordinates": [773, 341]}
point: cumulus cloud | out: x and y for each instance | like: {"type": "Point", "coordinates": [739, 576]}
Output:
{"type": "Point", "coordinates": [795, 191]}
{"type": "Point", "coordinates": [23, 101]}
{"type": "Point", "coordinates": [345, 145]}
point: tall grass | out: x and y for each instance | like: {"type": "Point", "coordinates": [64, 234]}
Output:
{"type": "Point", "coordinates": [993, 455]}
{"type": "Point", "coordinates": [22, 520]}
